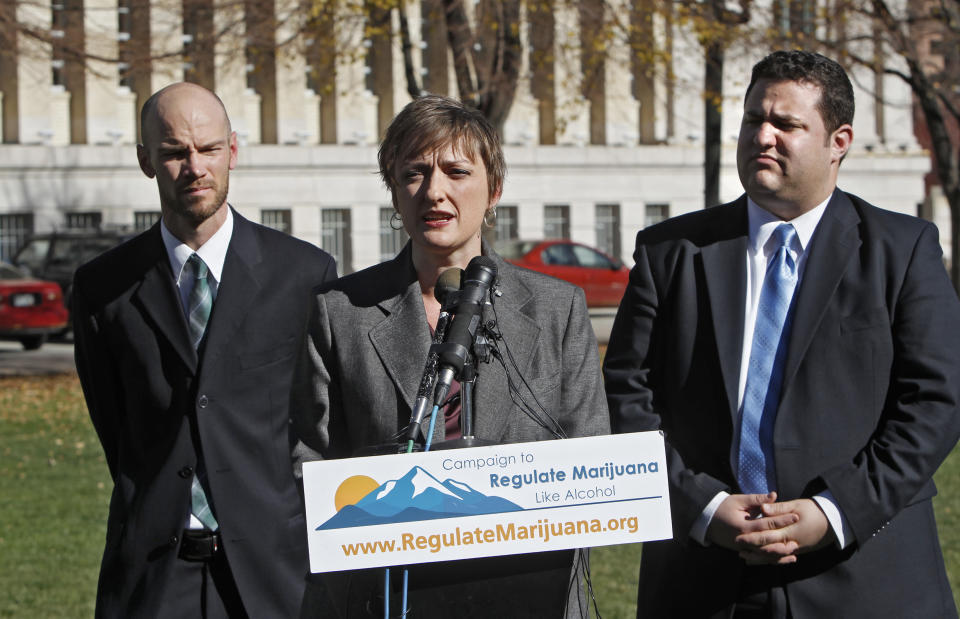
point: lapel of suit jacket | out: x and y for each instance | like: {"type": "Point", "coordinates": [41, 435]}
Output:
{"type": "Point", "coordinates": [493, 404]}
{"type": "Point", "coordinates": [402, 338]}
{"type": "Point", "coordinates": [725, 270]}
{"type": "Point", "coordinates": [238, 288]}
{"type": "Point", "coordinates": [158, 297]}
{"type": "Point", "coordinates": [834, 243]}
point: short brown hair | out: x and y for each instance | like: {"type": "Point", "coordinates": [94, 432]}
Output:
{"type": "Point", "coordinates": [431, 122]}
{"type": "Point", "coordinates": [836, 103]}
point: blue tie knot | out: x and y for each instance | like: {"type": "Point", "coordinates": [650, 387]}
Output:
{"type": "Point", "coordinates": [784, 235]}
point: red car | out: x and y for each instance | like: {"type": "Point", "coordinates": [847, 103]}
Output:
{"type": "Point", "coordinates": [602, 277]}
{"type": "Point", "coordinates": [30, 309]}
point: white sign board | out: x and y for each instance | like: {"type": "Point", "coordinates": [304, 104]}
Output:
{"type": "Point", "coordinates": [486, 501]}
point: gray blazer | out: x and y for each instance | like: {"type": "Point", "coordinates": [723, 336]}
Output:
{"type": "Point", "coordinates": [368, 338]}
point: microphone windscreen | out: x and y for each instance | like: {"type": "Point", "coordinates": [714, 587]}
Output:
{"type": "Point", "coordinates": [448, 282]}
{"type": "Point", "coordinates": [485, 262]}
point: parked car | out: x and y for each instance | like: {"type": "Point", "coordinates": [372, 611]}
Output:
{"type": "Point", "coordinates": [56, 255]}
{"type": "Point", "coordinates": [30, 309]}
{"type": "Point", "coordinates": [602, 277]}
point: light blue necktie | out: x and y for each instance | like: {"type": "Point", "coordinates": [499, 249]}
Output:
{"type": "Point", "coordinates": [756, 472]}
{"type": "Point", "coordinates": [199, 305]}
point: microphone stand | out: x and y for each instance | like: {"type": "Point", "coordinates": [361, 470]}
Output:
{"type": "Point", "coordinates": [480, 351]}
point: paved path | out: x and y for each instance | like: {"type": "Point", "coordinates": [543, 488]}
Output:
{"type": "Point", "coordinates": [52, 358]}
{"type": "Point", "coordinates": [57, 357]}
{"type": "Point", "coordinates": [602, 320]}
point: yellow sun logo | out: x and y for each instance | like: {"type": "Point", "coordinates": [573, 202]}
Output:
{"type": "Point", "coordinates": [352, 489]}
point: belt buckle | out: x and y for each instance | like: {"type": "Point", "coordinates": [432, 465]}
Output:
{"type": "Point", "coordinates": [199, 545]}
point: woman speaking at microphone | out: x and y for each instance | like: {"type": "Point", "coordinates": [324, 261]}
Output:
{"type": "Point", "coordinates": [369, 336]}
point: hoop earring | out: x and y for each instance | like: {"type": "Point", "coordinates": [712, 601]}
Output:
{"type": "Point", "coordinates": [490, 217]}
{"type": "Point", "coordinates": [396, 222]}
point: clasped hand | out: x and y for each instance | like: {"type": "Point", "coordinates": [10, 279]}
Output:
{"type": "Point", "coordinates": [765, 532]}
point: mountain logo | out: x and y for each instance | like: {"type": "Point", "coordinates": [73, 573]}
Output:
{"type": "Point", "coordinates": [417, 495]}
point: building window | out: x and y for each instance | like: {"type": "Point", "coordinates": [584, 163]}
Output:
{"type": "Point", "coordinates": [124, 46]}
{"type": "Point", "coordinates": [335, 236]}
{"type": "Point", "coordinates": [277, 218]}
{"type": "Point", "coordinates": [391, 241]}
{"type": "Point", "coordinates": [655, 212]}
{"type": "Point", "coordinates": [608, 228]}
{"type": "Point", "coordinates": [556, 221]}
{"type": "Point", "coordinates": [58, 31]}
{"type": "Point", "coordinates": [14, 229]}
{"type": "Point", "coordinates": [84, 219]}
{"type": "Point", "coordinates": [143, 220]}
{"type": "Point", "coordinates": [506, 228]}
{"type": "Point", "coordinates": [795, 18]}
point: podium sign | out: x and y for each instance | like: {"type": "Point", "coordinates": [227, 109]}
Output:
{"type": "Point", "coordinates": [486, 501]}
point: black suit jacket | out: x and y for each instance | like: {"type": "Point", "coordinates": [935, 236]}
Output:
{"type": "Point", "coordinates": [154, 403]}
{"type": "Point", "coordinates": [868, 407]}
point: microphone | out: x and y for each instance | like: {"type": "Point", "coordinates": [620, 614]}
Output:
{"type": "Point", "coordinates": [453, 353]}
{"type": "Point", "coordinates": [445, 291]}
{"type": "Point", "coordinates": [448, 283]}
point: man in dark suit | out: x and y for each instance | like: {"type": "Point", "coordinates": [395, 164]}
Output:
{"type": "Point", "coordinates": [185, 343]}
{"type": "Point", "coordinates": [806, 376]}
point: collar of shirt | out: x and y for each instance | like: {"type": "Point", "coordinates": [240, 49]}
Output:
{"type": "Point", "coordinates": [762, 223]}
{"type": "Point", "coordinates": [213, 252]}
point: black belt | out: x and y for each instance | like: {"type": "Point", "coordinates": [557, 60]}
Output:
{"type": "Point", "coordinates": [199, 545]}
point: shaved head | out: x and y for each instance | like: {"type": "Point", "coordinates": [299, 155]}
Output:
{"type": "Point", "coordinates": [177, 91]}
{"type": "Point", "coordinates": [188, 147]}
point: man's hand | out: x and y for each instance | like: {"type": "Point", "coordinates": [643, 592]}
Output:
{"type": "Point", "coordinates": [739, 516]}
{"type": "Point", "coordinates": [780, 544]}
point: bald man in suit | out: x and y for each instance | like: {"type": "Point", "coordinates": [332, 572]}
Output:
{"type": "Point", "coordinates": [185, 342]}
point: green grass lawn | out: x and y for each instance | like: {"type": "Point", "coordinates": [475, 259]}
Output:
{"type": "Point", "coordinates": [55, 489]}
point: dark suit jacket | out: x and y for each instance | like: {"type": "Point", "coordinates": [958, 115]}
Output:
{"type": "Point", "coordinates": [868, 407]}
{"type": "Point", "coordinates": [152, 399]}
{"type": "Point", "coordinates": [368, 339]}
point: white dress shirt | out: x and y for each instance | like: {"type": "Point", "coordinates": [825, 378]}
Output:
{"type": "Point", "coordinates": [760, 250]}
{"type": "Point", "coordinates": [213, 253]}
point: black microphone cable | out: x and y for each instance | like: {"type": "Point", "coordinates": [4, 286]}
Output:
{"type": "Point", "coordinates": [582, 557]}
{"type": "Point", "coordinates": [538, 414]}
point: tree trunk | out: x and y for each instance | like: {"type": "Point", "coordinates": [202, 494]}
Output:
{"type": "Point", "coordinates": [953, 199]}
{"type": "Point", "coordinates": [945, 157]}
{"type": "Point", "coordinates": [712, 122]}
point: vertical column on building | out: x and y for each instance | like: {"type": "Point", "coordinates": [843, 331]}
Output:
{"type": "Point", "coordinates": [261, 26]}
{"type": "Point", "coordinates": [663, 30]}
{"type": "Point", "coordinates": [320, 47]}
{"type": "Point", "coordinates": [621, 111]}
{"type": "Point", "coordinates": [110, 106]}
{"type": "Point", "coordinates": [35, 109]}
{"type": "Point", "coordinates": [230, 72]}
{"type": "Point", "coordinates": [522, 126]}
{"type": "Point", "coordinates": [401, 93]}
{"type": "Point", "coordinates": [859, 35]}
{"type": "Point", "coordinates": [572, 108]}
{"type": "Point", "coordinates": [297, 110]}
{"type": "Point", "coordinates": [380, 60]}
{"type": "Point", "coordinates": [542, 60]}
{"type": "Point", "coordinates": [9, 64]}
{"type": "Point", "coordinates": [165, 43]}
{"type": "Point", "coordinates": [593, 47]}
{"type": "Point", "coordinates": [644, 64]}
{"type": "Point", "coordinates": [357, 105]}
